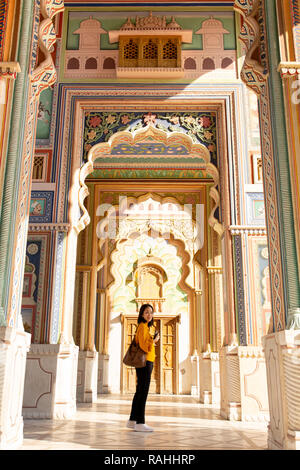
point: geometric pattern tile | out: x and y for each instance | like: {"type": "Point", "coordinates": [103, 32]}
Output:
{"type": "Point", "coordinates": [179, 422]}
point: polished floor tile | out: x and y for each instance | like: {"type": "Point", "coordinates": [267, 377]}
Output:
{"type": "Point", "coordinates": [179, 423]}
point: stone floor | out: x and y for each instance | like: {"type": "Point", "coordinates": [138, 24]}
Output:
{"type": "Point", "coordinates": [179, 423]}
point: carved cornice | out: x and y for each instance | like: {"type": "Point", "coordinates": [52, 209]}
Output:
{"type": "Point", "coordinates": [9, 69]}
{"type": "Point", "coordinates": [289, 69]}
{"type": "Point", "coordinates": [251, 230]}
{"type": "Point", "coordinates": [49, 227]}
{"type": "Point", "coordinates": [214, 269]}
{"type": "Point", "coordinates": [254, 352]}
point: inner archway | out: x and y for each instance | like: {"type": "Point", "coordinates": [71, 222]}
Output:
{"type": "Point", "coordinates": [145, 254]}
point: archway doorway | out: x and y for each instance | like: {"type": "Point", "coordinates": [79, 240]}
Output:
{"type": "Point", "coordinates": [182, 216]}
{"type": "Point", "coordinates": [154, 255]}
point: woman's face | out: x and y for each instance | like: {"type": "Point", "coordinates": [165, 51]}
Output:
{"type": "Point", "coordinates": [148, 314]}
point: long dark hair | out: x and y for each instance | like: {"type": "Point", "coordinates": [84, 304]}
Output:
{"type": "Point", "coordinates": [141, 318]}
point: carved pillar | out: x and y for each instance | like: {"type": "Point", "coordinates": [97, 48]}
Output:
{"type": "Point", "coordinates": [209, 377]}
{"type": "Point", "coordinates": [88, 356]}
{"type": "Point", "coordinates": [85, 305]}
{"type": "Point", "coordinates": [17, 158]}
{"type": "Point", "coordinates": [289, 68]}
{"type": "Point", "coordinates": [243, 384]}
{"type": "Point", "coordinates": [14, 342]}
{"type": "Point", "coordinates": [263, 34]}
{"type": "Point", "coordinates": [282, 351]}
{"type": "Point", "coordinates": [209, 359]}
{"type": "Point", "coordinates": [14, 345]}
{"type": "Point", "coordinates": [54, 362]}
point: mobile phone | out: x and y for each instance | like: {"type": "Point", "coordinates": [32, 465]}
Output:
{"type": "Point", "coordinates": [155, 334]}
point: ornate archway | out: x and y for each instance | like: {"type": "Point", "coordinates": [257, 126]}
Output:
{"type": "Point", "coordinates": [150, 134]}
{"type": "Point", "coordinates": [171, 262]}
{"type": "Point", "coordinates": [179, 150]}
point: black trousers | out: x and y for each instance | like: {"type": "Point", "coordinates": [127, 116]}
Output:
{"type": "Point", "coordinates": [140, 397]}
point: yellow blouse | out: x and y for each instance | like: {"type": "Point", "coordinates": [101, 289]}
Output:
{"type": "Point", "coordinates": [145, 341]}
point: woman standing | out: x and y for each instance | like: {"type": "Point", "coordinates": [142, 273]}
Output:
{"type": "Point", "coordinates": [146, 343]}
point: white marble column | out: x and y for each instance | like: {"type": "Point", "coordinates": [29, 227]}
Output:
{"type": "Point", "coordinates": [282, 351]}
{"type": "Point", "coordinates": [244, 394]}
{"type": "Point", "coordinates": [14, 345]}
{"type": "Point", "coordinates": [209, 378]}
{"type": "Point", "coordinates": [87, 376]}
{"type": "Point", "coordinates": [50, 381]}
{"type": "Point", "coordinates": [103, 373]}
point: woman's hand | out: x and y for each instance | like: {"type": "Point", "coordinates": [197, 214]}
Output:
{"type": "Point", "coordinates": [156, 338]}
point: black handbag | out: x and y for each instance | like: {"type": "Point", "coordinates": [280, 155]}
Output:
{"type": "Point", "coordinates": [135, 356]}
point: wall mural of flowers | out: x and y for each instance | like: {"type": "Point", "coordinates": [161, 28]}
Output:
{"type": "Point", "coordinates": [100, 126]}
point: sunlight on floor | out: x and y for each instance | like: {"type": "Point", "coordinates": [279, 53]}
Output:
{"type": "Point", "coordinates": [179, 423]}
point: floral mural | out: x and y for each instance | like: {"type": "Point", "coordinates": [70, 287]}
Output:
{"type": "Point", "coordinates": [100, 126]}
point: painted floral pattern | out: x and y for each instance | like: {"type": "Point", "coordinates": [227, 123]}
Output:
{"type": "Point", "coordinates": [100, 126]}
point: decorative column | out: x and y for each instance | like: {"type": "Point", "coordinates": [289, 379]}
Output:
{"type": "Point", "coordinates": [243, 384]}
{"type": "Point", "coordinates": [209, 358]}
{"type": "Point", "coordinates": [195, 358]}
{"type": "Point", "coordinates": [289, 67]}
{"type": "Point", "coordinates": [14, 342]}
{"type": "Point", "coordinates": [88, 356]}
{"type": "Point", "coordinates": [50, 370]}
{"type": "Point", "coordinates": [265, 23]}
{"type": "Point", "coordinates": [20, 51]}
{"type": "Point", "coordinates": [209, 377]}
{"type": "Point", "coordinates": [243, 375]}
{"type": "Point", "coordinates": [213, 324]}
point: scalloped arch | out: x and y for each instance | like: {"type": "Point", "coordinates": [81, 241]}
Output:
{"type": "Point", "coordinates": [181, 251]}
{"type": "Point", "coordinates": [141, 135]}
{"type": "Point", "coordinates": [162, 228]}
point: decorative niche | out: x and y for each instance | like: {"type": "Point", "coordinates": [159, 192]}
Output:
{"type": "Point", "coordinates": [150, 47]}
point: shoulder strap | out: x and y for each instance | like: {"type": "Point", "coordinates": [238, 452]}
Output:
{"type": "Point", "coordinates": [135, 336]}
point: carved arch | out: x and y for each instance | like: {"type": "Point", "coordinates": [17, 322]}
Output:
{"type": "Point", "coordinates": [104, 150]}
{"type": "Point", "coordinates": [184, 255]}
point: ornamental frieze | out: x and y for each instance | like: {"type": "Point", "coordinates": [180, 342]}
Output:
{"type": "Point", "coordinates": [201, 127]}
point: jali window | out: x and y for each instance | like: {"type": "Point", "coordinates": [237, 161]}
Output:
{"type": "Point", "coordinates": [145, 51]}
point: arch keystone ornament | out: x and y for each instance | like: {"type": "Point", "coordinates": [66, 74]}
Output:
{"type": "Point", "coordinates": [259, 33]}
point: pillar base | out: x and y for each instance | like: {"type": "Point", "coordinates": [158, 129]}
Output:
{"type": "Point", "coordinates": [50, 381]}
{"type": "Point", "coordinates": [14, 345]}
{"type": "Point", "coordinates": [209, 378]}
{"type": "Point", "coordinates": [244, 395]}
{"type": "Point", "coordinates": [87, 376]}
{"type": "Point", "coordinates": [282, 351]}
{"type": "Point", "coordinates": [103, 373]}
